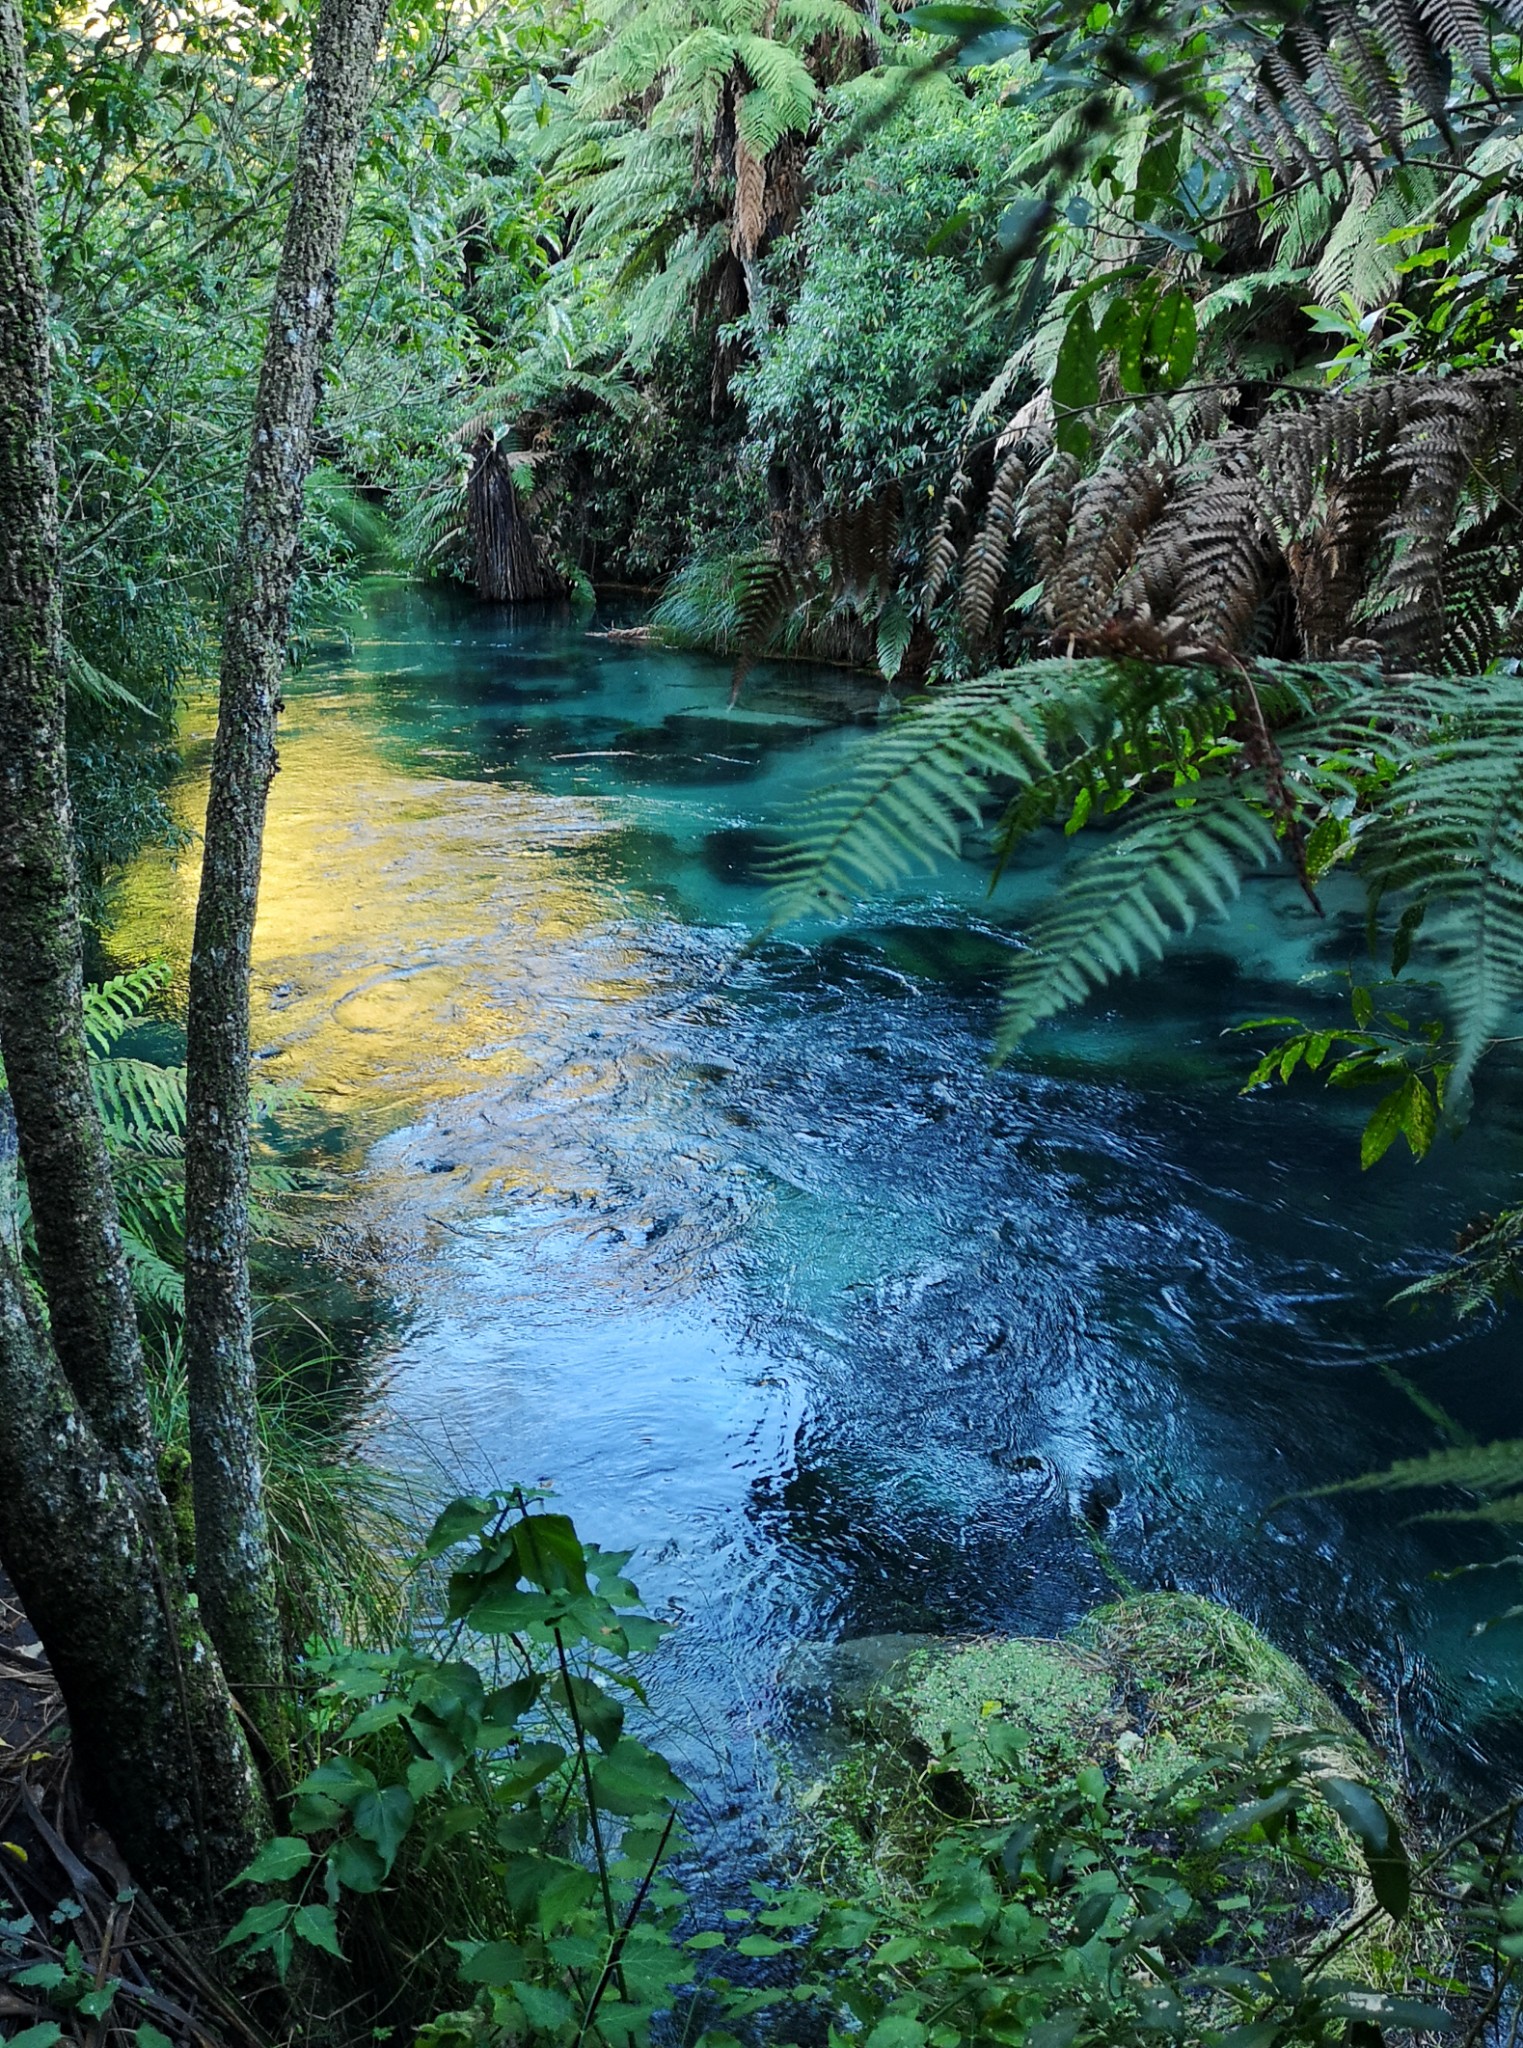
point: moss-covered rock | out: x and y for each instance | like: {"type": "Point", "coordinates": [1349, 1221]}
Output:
{"type": "Point", "coordinates": [1144, 1688]}
{"type": "Point", "coordinates": [1161, 1703]}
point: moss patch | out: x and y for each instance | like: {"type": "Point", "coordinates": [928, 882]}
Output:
{"type": "Point", "coordinates": [1153, 1696]}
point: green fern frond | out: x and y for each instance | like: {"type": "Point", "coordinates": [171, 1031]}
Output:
{"type": "Point", "coordinates": [154, 1279]}
{"type": "Point", "coordinates": [783, 96]}
{"type": "Point", "coordinates": [111, 1006]}
{"type": "Point", "coordinates": [911, 794]}
{"type": "Point", "coordinates": [1126, 904]}
{"type": "Point", "coordinates": [894, 628]}
{"type": "Point", "coordinates": [1459, 848]}
{"type": "Point", "coordinates": [139, 1100]}
{"type": "Point", "coordinates": [1481, 1468]}
{"type": "Point", "coordinates": [1051, 728]}
{"type": "Point", "coordinates": [93, 684]}
{"type": "Point", "coordinates": [698, 69]}
{"type": "Point", "coordinates": [805, 21]}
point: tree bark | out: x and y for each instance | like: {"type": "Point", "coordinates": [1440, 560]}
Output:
{"type": "Point", "coordinates": [152, 1723]}
{"type": "Point", "coordinates": [63, 1150]}
{"type": "Point", "coordinates": [83, 1524]}
{"type": "Point", "coordinates": [233, 1576]}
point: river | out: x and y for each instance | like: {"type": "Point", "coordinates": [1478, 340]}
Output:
{"type": "Point", "coordinates": [747, 1249]}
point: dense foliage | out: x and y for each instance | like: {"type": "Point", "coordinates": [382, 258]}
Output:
{"type": "Point", "coordinates": [1140, 383]}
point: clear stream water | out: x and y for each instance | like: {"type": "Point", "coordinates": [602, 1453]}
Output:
{"type": "Point", "coordinates": [751, 1254]}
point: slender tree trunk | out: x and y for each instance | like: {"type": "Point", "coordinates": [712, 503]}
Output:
{"type": "Point", "coordinates": [82, 1519]}
{"type": "Point", "coordinates": [153, 1726]}
{"type": "Point", "coordinates": [233, 1576]}
{"type": "Point", "coordinates": [94, 1328]}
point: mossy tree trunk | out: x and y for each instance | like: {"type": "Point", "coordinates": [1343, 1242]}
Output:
{"type": "Point", "coordinates": [233, 1574]}
{"type": "Point", "coordinates": [94, 1328]}
{"type": "Point", "coordinates": [153, 1726]}
{"type": "Point", "coordinates": [82, 1518]}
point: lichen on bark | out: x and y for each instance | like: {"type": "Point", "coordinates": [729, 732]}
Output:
{"type": "Point", "coordinates": [233, 1569]}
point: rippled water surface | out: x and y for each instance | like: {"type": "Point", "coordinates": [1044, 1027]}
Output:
{"type": "Point", "coordinates": [748, 1251]}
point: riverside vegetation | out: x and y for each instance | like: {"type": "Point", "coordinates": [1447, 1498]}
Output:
{"type": "Point", "coordinates": [1135, 387]}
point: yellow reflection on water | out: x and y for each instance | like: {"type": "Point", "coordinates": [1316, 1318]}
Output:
{"type": "Point", "coordinates": [418, 938]}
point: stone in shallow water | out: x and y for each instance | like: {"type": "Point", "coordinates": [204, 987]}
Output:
{"type": "Point", "coordinates": [827, 1684]}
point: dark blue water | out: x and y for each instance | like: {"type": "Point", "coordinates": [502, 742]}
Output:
{"type": "Point", "coordinates": [740, 1242]}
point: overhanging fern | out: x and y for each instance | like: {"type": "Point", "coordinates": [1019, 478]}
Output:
{"type": "Point", "coordinates": [1181, 860]}
{"type": "Point", "coordinates": [1035, 737]}
{"type": "Point", "coordinates": [1225, 766]}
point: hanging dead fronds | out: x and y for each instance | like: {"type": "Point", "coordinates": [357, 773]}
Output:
{"type": "Point", "coordinates": [1375, 519]}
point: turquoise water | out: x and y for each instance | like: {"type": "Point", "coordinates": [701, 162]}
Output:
{"type": "Point", "coordinates": [740, 1242]}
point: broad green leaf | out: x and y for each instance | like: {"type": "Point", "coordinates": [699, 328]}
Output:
{"type": "Point", "coordinates": [338, 1779]}
{"type": "Point", "coordinates": [1419, 1116]}
{"type": "Point", "coordinates": [463, 1518]}
{"type": "Point", "coordinates": [1157, 176]}
{"type": "Point", "coordinates": [440, 1741]}
{"type": "Point", "coordinates": [503, 1709]}
{"type": "Point", "coordinates": [550, 1553]}
{"type": "Point", "coordinates": [425, 1776]}
{"type": "Point", "coordinates": [1133, 346]}
{"type": "Point", "coordinates": [632, 1779]}
{"type": "Point", "coordinates": [898, 2030]}
{"type": "Point", "coordinates": [548, 2010]}
{"type": "Point", "coordinates": [1378, 1837]}
{"type": "Point", "coordinates": [545, 1889]}
{"type": "Point", "coordinates": [277, 1862]}
{"type": "Point", "coordinates": [1253, 1813]}
{"type": "Point", "coordinates": [317, 1926]}
{"type": "Point", "coordinates": [600, 1716]}
{"type": "Point", "coordinates": [534, 1763]}
{"type": "Point", "coordinates": [356, 1865]}
{"type": "Point", "coordinates": [1076, 381]}
{"type": "Point", "coordinates": [492, 1962]}
{"type": "Point", "coordinates": [503, 1608]}
{"type": "Point", "coordinates": [371, 1720]}
{"type": "Point", "coordinates": [1171, 338]}
{"type": "Point", "coordinates": [1384, 1126]}
{"type": "Point", "coordinates": [258, 1920]}
{"type": "Point", "coordinates": [382, 1818]}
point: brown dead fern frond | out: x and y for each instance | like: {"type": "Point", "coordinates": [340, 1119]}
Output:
{"type": "Point", "coordinates": [859, 542]}
{"type": "Point", "coordinates": [1376, 515]}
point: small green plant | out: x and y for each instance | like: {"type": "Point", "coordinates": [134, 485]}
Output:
{"type": "Point", "coordinates": [500, 1737]}
{"type": "Point", "coordinates": [1382, 1048]}
{"type": "Point", "coordinates": [1107, 1854]}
